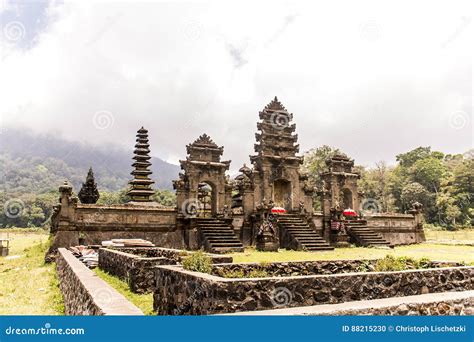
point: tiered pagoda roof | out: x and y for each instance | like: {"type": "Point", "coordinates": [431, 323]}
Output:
{"type": "Point", "coordinates": [141, 190]}
{"type": "Point", "coordinates": [276, 138]}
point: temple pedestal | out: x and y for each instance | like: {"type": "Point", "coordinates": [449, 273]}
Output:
{"type": "Point", "coordinates": [267, 243]}
{"type": "Point", "coordinates": [339, 240]}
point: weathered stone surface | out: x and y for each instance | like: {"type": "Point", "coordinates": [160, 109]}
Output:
{"type": "Point", "coordinates": [85, 293]}
{"type": "Point", "coordinates": [446, 303]}
{"type": "Point", "coordinates": [298, 268]}
{"type": "Point", "coordinates": [135, 265]}
{"type": "Point", "coordinates": [221, 295]}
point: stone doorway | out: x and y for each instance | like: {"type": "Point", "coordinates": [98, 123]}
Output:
{"type": "Point", "coordinates": [282, 194]}
{"type": "Point", "coordinates": [347, 199]}
{"type": "Point", "coordinates": [207, 200]}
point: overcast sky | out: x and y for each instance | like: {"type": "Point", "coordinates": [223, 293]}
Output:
{"type": "Point", "coordinates": [372, 78]}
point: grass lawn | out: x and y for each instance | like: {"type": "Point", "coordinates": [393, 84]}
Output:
{"type": "Point", "coordinates": [27, 285]}
{"type": "Point", "coordinates": [428, 250]}
{"type": "Point", "coordinates": [143, 301]}
{"type": "Point", "coordinates": [464, 236]}
{"type": "Point", "coordinates": [435, 249]}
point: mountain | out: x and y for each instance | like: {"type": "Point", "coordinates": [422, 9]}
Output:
{"type": "Point", "coordinates": [38, 163]}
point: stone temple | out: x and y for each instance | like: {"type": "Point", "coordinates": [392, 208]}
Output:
{"type": "Point", "coordinates": [268, 205]}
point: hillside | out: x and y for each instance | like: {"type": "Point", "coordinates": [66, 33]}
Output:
{"type": "Point", "coordinates": [33, 163]}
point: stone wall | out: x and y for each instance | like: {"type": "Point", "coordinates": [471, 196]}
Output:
{"type": "Point", "coordinates": [398, 229]}
{"type": "Point", "coordinates": [135, 265]}
{"type": "Point", "coordinates": [90, 224]}
{"type": "Point", "coordinates": [298, 268]}
{"type": "Point", "coordinates": [85, 293]}
{"type": "Point", "coordinates": [182, 292]}
{"type": "Point", "coordinates": [283, 269]}
{"type": "Point", "coordinates": [433, 304]}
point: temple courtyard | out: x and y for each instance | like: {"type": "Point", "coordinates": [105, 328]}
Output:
{"type": "Point", "coordinates": [29, 286]}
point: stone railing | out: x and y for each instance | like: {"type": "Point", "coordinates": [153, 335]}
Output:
{"type": "Point", "coordinates": [398, 229]}
{"type": "Point", "coordinates": [85, 293]}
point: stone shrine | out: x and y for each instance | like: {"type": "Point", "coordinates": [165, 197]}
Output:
{"type": "Point", "coordinates": [221, 214]}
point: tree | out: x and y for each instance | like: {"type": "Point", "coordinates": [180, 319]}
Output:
{"type": "Point", "coordinates": [409, 158]}
{"type": "Point", "coordinates": [415, 192]}
{"type": "Point", "coordinates": [375, 184]}
{"type": "Point", "coordinates": [429, 172]}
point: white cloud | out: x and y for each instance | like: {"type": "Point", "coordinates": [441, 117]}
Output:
{"type": "Point", "coordinates": [374, 80]}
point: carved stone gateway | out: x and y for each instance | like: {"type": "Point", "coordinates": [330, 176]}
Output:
{"type": "Point", "coordinates": [340, 190]}
{"type": "Point", "coordinates": [203, 189]}
{"type": "Point", "coordinates": [276, 175]}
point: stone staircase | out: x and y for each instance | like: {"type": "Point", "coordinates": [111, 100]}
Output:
{"type": "Point", "coordinates": [364, 236]}
{"type": "Point", "coordinates": [296, 234]}
{"type": "Point", "coordinates": [217, 236]}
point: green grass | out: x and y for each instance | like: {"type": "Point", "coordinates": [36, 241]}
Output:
{"type": "Point", "coordinates": [143, 301]}
{"type": "Point", "coordinates": [464, 236]}
{"type": "Point", "coordinates": [27, 285]}
{"type": "Point", "coordinates": [425, 250]}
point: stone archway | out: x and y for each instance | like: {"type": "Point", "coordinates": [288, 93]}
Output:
{"type": "Point", "coordinates": [282, 193]}
{"type": "Point", "coordinates": [347, 199]}
{"type": "Point", "coordinates": [206, 195]}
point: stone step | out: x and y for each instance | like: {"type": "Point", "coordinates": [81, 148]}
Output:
{"type": "Point", "coordinates": [224, 233]}
{"type": "Point", "coordinates": [226, 238]}
{"type": "Point", "coordinates": [319, 248]}
{"type": "Point", "coordinates": [301, 232]}
{"type": "Point", "coordinates": [310, 238]}
{"type": "Point", "coordinates": [223, 250]}
{"type": "Point", "coordinates": [218, 240]}
{"type": "Point", "coordinates": [218, 237]}
{"type": "Point", "coordinates": [215, 228]}
{"type": "Point", "coordinates": [217, 245]}
{"type": "Point", "coordinates": [315, 245]}
{"type": "Point", "coordinates": [365, 236]}
{"type": "Point", "coordinates": [212, 225]}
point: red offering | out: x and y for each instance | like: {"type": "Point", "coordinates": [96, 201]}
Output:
{"type": "Point", "coordinates": [278, 210]}
{"type": "Point", "coordinates": [349, 212]}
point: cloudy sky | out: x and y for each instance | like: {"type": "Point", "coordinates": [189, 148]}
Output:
{"type": "Point", "coordinates": [372, 78]}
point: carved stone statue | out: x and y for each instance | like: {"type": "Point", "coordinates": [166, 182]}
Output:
{"type": "Point", "coordinates": [302, 208]}
{"type": "Point", "coordinates": [226, 212]}
{"type": "Point", "coordinates": [267, 236]}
